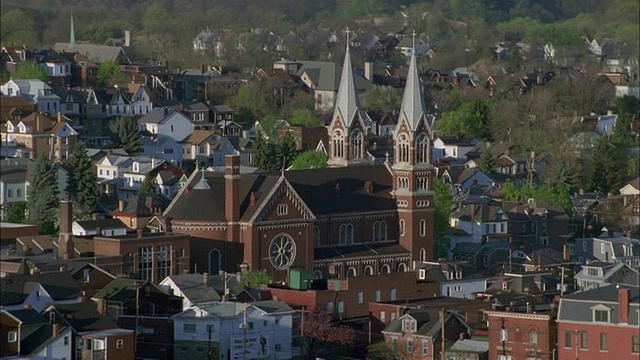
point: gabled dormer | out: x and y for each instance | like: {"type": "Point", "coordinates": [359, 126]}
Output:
{"type": "Point", "coordinates": [409, 325]}
{"type": "Point", "coordinates": [10, 127]}
{"type": "Point", "coordinates": [22, 128]}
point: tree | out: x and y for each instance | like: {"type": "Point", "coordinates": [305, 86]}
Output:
{"type": "Point", "coordinates": [633, 167]}
{"type": "Point", "coordinates": [443, 202]}
{"type": "Point", "coordinates": [319, 334]}
{"type": "Point", "coordinates": [148, 187]}
{"type": "Point", "coordinates": [310, 159]}
{"type": "Point", "coordinates": [43, 195]}
{"type": "Point", "coordinates": [127, 135]}
{"type": "Point", "coordinates": [487, 162]}
{"type": "Point", "coordinates": [17, 212]}
{"type": "Point", "coordinates": [380, 351]}
{"type": "Point", "coordinates": [30, 72]}
{"type": "Point", "coordinates": [18, 28]}
{"type": "Point", "coordinates": [252, 100]}
{"type": "Point", "coordinates": [604, 172]}
{"type": "Point", "coordinates": [285, 152]}
{"type": "Point", "coordinates": [385, 98]}
{"type": "Point", "coordinates": [81, 183]}
{"type": "Point", "coordinates": [252, 280]}
{"type": "Point", "coordinates": [106, 71]}
{"type": "Point", "coordinates": [157, 19]}
{"type": "Point", "coordinates": [304, 118]}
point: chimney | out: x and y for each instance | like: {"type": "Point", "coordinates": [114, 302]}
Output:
{"type": "Point", "coordinates": [232, 195]}
{"type": "Point", "coordinates": [462, 335]}
{"type": "Point", "coordinates": [120, 205]}
{"type": "Point", "coordinates": [109, 152]}
{"type": "Point", "coordinates": [529, 308]}
{"type": "Point", "coordinates": [59, 116]}
{"type": "Point", "coordinates": [205, 279]}
{"type": "Point", "coordinates": [140, 233]}
{"type": "Point", "coordinates": [581, 191]}
{"type": "Point", "coordinates": [38, 123]}
{"type": "Point", "coordinates": [623, 303]}
{"type": "Point", "coordinates": [55, 330]}
{"type": "Point", "coordinates": [252, 199]}
{"type": "Point", "coordinates": [539, 262]}
{"type": "Point", "coordinates": [565, 252]}
{"type": "Point", "coordinates": [26, 306]}
{"type": "Point", "coordinates": [201, 69]}
{"type": "Point", "coordinates": [127, 38]}
{"type": "Point", "coordinates": [368, 70]}
{"type": "Point", "coordinates": [65, 238]}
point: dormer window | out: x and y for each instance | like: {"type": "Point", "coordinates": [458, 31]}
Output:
{"type": "Point", "coordinates": [505, 286]}
{"type": "Point", "coordinates": [409, 325]}
{"type": "Point", "coordinates": [601, 313]}
{"type": "Point", "coordinates": [22, 128]}
{"type": "Point", "coordinates": [9, 127]}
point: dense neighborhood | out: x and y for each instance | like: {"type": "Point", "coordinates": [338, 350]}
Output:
{"type": "Point", "coordinates": [357, 200]}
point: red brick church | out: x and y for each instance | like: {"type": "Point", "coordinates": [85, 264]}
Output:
{"type": "Point", "coordinates": [350, 219]}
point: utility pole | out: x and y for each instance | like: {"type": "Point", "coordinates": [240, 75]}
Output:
{"type": "Point", "coordinates": [244, 332]}
{"type": "Point", "coordinates": [135, 343]}
{"type": "Point", "coordinates": [562, 281]}
{"type": "Point", "coordinates": [442, 338]}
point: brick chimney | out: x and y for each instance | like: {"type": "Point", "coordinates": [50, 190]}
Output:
{"type": "Point", "coordinates": [623, 303]}
{"type": "Point", "coordinates": [120, 205]}
{"type": "Point", "coordinates": [55, 330]}
{"type": "Point", "coordinates": [232, 195]}
{"type": "Point", "coordinates": [205, 279]}
{"type": "Point", "coordinates": [65, 239]}
{"type": "Point", "coordinates": [565, 252]}
{"type": "Point", "coordinates": [59, 117]}
{"type": "Point", "coordinates": [38, 123]}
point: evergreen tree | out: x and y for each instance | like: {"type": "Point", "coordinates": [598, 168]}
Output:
{"type": "Point", "coordinates": [604, 172]}
{"type": "Point", "coordinates": [43, 195]}
{"type": "Point", "coordinates": [81, 183]}
{"type": "Point", "coordinates": [259, 147]}
{"type": "Point", "coordinates": [148, 187]}
{"type": "Point", "coordinates": [127, 135]}
{"type": "Point", "coordinates": [285, 151]}
{"type": "Point", "coordinates": [443, 201]}
{"type": "Point", "coordinates": [16, 213]}
{"type": "Point", "coordinates": [487, 162]}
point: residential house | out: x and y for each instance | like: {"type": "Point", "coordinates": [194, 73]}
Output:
{"type": "Point", "coordinates": [482, 221]}
{"type": "Point", "coordinates": [13, 184]}
{"type": "Point", "coordinates": [599, 274]}
{"type": "Point", "coordinates": [221, 113]}
{"type": "Point", "coordinates": [14, 106]}
{"type": "Point", "coordinates": [631, 187]}
{"type": "Point", "coordinates": [24, 333]}
{"type": "Point", "coordinates": [194, 146]}
{"type": "Point", "coordinates": [37, 133]}
{"type": "Point", "coordinates": [536, 258]}
{"type": "Point", "coordinates": [195, 289]}
{"type": "Point", "coordinates": [467, 349]}
{"type": "Point", "coordinates": [166, 123]}
{"type": "Point", "coordinates": [417, 333]}
{"type": "Point", "coordinates": [408, 46]}
{"type": "Point", "coordinates": [140, 209]}
{"type": "Point", "coordinates": [204, 41]}
{"type": "Point", "coordinates": [531, 334]}
{"type": "Point", "coordinates": [612, 249]}
{"type": "Point", "coordinates": [455, 146]}
{"type": "Point", "coordinates": [190, 84]}
{"type": "Point", "coordinates": [108, 172]}
{"type": "Point", "coordinates": [219, 148]}
{"type": "Point", "coordinates": [54, 65]}
{"type": "Point", "coordinates": [106, 227]}
{"type": "Point", "coordinates": [140, 304]}
{"type": "Point", "coordinates": [600, 47]}
{"type": "Point", "coordinates": [323, 79]}
{"type": "Point", "coordinates": [84, 72]}
{"type": "Point", "coordinates": [606, 123]}
{"type": "Point", "coordinates": [511, 290]}
{"type": "Point", "coordinates": [484, 256]}
{"type": "Point", "coordinates": [161, 148]}
{"type": "Point", "coordinates": [89, 277]}
{"type": "Point", "coordinates": [36, 92]}
{"type": "Point", "coordinates": [599, 322]}
{"type": "Point", "coordinates": [232, 330]}
{"type": "Point", "coordinates": [14, 56]}
{"type": "Point", "coordinates": [462, 279]}
{"type": "Point", "coordinates": [167, 178]}
{"type": "Point", "coordinates": [38, 290]}
{"type": "Point", "coordinates": [199, 113]}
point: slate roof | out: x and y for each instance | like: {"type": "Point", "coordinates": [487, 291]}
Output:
{"type": "Point", "coordinates": [224, 310]}
{"type": "Point", "coordinates": [326, 75]}
{"type": "Point", "coordinates": [16, 288]}
{"type": "Point", "coordinates": [192, 287]}
{"type": "Point", "coordinates": [13, 174]}
{"type": "Point", "coordinates": [105, 224]}
{"type": "Point", "coordinates": [357, 251]}
{"type": "Point", "coordinates": [96, 53]}
{"type": "Point", "coordinates": [84, 316]}
{"type": "Point", "coordinates": [38, 339]}
{"type": "Point", "coordinates": [607, 294]}
{"type": "Point", "coordinates": [198, 136]}
{"type": "Point", "coordinates": [577, 307]}
{"type": "Point", "coordinates": [47, 125]}
{"type": "Point", "coordinates": [467, 248]}
{"type": "Point", "coordinates": [119, 289]}
{"type": "Point", "coordinates": [28, 316]}
{"type": "Point", "coordinates": [272, 306]}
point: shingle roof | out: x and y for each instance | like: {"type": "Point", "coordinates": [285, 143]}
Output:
{"type": "Point", "coordinates": [28, 316]}
{"type": "Point", "coordinates": [84, 317]}
{"type": "Point", "coordinates": [16, 288]}
{"type": "Point", "coordinates": [192, 287]}
{"type": "Point", "coordinates": [105, 224]}
{"type": "Point", "coordinates": [94, 52]}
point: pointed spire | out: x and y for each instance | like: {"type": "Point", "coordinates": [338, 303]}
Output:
{"type": "Point", "coordinates": [347, 102]}
{"type": "Point", "coordinates": [413, 104]}
{"type": "Point", "coordinates": [72, 33]}
{"type": "Point", "coordinates": [202, 183]}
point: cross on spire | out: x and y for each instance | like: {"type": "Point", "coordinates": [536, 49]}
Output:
{"type": "Point", "coordinates": [413, 35]}
{"type": "Point", "coordinates": [347, 32]}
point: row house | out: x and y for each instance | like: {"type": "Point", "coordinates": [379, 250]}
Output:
{"type": "Point", "coordinates": [599, 323]}
{"type": "Point", "coordinates": [36, 92]}
{"type": "Point", "coordinates": [462, 279]}
{"type": "Point", "coordinates": [486, 257]}
{"type": "Point", "coordinates": [37, 133]}
{"type": "Point", "coordinates": [140, 209]}
{"type": "Point", "coordinates": [609, 249]}
{"type": "Point", "coordinates": [231, 330]}
{"type": "Point", "coordinates": [599, 274]}
{"type": "Point", "coordinates": [198, 289]}
{"type": "Point", "coordinates": [135, 101]}
{"type": "Point", "coordinates": [54, 65]}
{"type": "Point", "coordinates": [38, 291]}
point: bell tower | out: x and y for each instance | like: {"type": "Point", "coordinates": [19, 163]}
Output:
{"type": "Point", "coordinates": [413, 171]}
{"type": "Point", "coordinates": [347, 131]}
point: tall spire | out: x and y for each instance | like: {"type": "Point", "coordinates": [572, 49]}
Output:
{"type": "Point", "coordinates": [347, 102]}
{"type": "Point", "coordinates": [72, 33]}
{"type": "Point", "coordinates": [413, 104]}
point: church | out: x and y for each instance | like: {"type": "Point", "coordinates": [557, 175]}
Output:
{"type": "Point", "coordinates": [350, 219]}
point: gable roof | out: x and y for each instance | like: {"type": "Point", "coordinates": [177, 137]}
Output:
{"type": "Point", "coordinates": [16, 288]}
{"type": "Point", "coordinates": [105, 224]}
{"type": "Point", "coordinates": [94, 52]}
{"type": "Point", "coordinates": [83, 316]}
{"type": "Point", "coordinates": [428, 322]}
{"type": "Point", "coordinates": [194, 289]}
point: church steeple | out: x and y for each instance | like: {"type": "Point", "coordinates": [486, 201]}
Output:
{"type": "Point", "coordinates": [72, 34]}
{"type": "Point", "coordinates": [413, 104]}
{"type": "Point", "coordinates": [347, 102]}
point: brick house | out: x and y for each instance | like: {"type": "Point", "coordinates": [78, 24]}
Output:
{"type": "Point", "coordinates": [522, 335]}
{"type": "Point", "coordinates": [600, 323]}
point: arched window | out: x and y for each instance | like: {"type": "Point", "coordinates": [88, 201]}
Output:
{"type": "Point", "coordinates": [352, 272]}
{"type": "Point", "coordinates": [422, 149]}
{"type": "Point", "coordinates": [214, 261]}
{"type": "Point", "coordinates": [343, 234]}
{"type": "Point", "coordinates": [423, 255]}
{"type": "Point", "coordinates": [316, 236]}
{"type": "Point", "coordinates": [401, 227]}
{"type": "Point", "coordinates": [423, 227]}
{"type": "Point", "coordinates": [385, 269]}
{"type": "Point", "coordinates": [383, 230]}
{"type": "Point", "coordinates": [368, 270]}
{"type": "Point", "coordinates": [349, 238]}
{"type": "Point", "coordinates": [338, 144]}
{"type": "Point", "coordinates": [402, 149]}
{"type": "Point", "coordinates": [376, 231]}
{"type": "Point", "coordinates": [317, 274]}
{"type": "Point", "coordinates": [355, 144]}
{"type": "Point", "coordinates": [402, 267]}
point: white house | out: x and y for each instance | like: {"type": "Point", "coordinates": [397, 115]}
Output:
{"type": "Point", "coordinates": [58, 346]}
{"type": "Point", "coordinates": [606, 123]}
{"type": "Point", "coordinates": [480, 220]}
{"type": "Point", "coordinates": [455, 146]}
{"type": "Point", "coordinates": [141, 103]}
{"type": "Point", "coordinates": [133, 175]}
{"type": "Point", "coordinates": [167, 122]}
{"type": "Point", "coordinates": [36, 92]}
{"type": "Point", "coordinates": [162, 148]}
{"type": "Point", "coordinates": [406, 47]}
{"type": "Point", "coordinates": [195, 289]}
{"type": "Point", "coordinates": [260, 330]}
{"type": "Point", "coordinates": [106, 227]}
{"type": "Point", "coordinates": [631, 188]}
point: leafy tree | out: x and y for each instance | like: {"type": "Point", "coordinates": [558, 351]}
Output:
{"type": "Point", "coordinates": [380, 351]}
{"type": "Point", "coordinates": [304, 118]}
{"type": "Point", "coordinates": [30, 72]}
{"type": "Point", "coordinates": [18, 28]}
{"type": "Point", "coordinates": [386, 98]}
{"type": "Point", "coordinates": [397, 59]}
{"type": "Point", "coordinates": [43, 195]}
{"type": "Point", "coordinates": [551, 194]}
{"type": "Point", "coordinates": [17, 212]}
{"type": "Point", "coordinates": [487, 162]}
{"type": "Point", "coordinates": [148, 187]}
{"type": "Point", "coordinates": [604, 173]}
{"type": "Point", "coordinates": [470, 117]}
{"type": "Point", "coordinates": [319, 334]}
{"type": "Point", "coordinates": [157, 19]}
{"type": "Point", "coordinates": [310, 160]}
{"type": "Point", "coordinates": [633, 167]}
{"type": "Point", "coordinates": [252, 279]}
{"type": "Point", "coordinates": [127, 135]}
{"type": "Point", "coordinates": [443, 202]}
{"type": "Point", "coordinates": [106, 72]}
{"type": "Point", "coordinates": [81, 183]}
{"type": "Point", "coordinates": [252, 101]}
{"type": "Point", "coordinates": [285, 151]}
